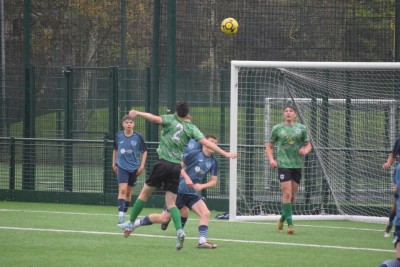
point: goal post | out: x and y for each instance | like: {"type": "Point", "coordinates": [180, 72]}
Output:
{"type": "Point", "coordinates": [351, 112]}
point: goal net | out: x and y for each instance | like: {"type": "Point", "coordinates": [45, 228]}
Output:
{"type": "Point", "coordinates": [351, 112]}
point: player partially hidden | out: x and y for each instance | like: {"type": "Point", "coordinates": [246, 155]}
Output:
{"type": "Point", "coordinates": [175, 135]}
{"type": "Point", "coordinates": [128, 160]}
{"type": "Point", "coordinates": [197, 162]}
{"type": "Point", "coordinates": [390, 160]}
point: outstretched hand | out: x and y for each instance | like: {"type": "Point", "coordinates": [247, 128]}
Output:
{"type": "Point", "coordinates": [133, 113]}
{"type": "Point", "coordinates": [386, 166]}
{"type": "Point", "coordinates": [231, 155]}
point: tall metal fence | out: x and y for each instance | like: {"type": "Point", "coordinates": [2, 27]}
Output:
{"type": "Point", "coordinates": [71, 69]}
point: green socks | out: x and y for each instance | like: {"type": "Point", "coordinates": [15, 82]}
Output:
{"type": "Point", "coordinates": [137, 208]}
{"type": "Point", "coordinates": [176, 217]}
{"type": "Point", "coordinates": [287, 213]}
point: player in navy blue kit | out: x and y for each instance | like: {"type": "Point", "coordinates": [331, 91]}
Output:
{"type": "Point", "coordinates": [392, 158]}
{"type": "Point", "coordinates": [197, 162]}
{"type": "Point", "coordinates": [129, 158]}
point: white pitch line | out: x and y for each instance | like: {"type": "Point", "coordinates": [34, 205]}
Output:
{"type": "Point", "coordinates": [222, 221]}
{"type": "Point", "coordinates": [56, 212]}
{"type": "Point", "coordinates": [219, 239]}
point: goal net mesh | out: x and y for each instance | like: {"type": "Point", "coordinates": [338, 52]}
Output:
{"type": "Point", "coordinates": [352, 118]}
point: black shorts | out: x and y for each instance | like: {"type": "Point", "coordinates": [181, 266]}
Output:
{"type": "Point", "coordinates": [289, 175]}
{"type": "Point", "coordinates": [165, 175]}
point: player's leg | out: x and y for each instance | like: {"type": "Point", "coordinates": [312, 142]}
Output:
{"type": "Point", "coordinates": [128, 198]}
{"type": "Point", "coordinates": [170, 199]}
{"type": "Point", "coordinates": [152, 218]}
{"type": "Point", "coordinates": [184, 211]}
{"type": "Point", "coordinates": [289, 219]}
{"type": "Point", "coordinates": [164, 225]}
{"type": "Point", "coordinates": [140, 202]}
{"type": "Point", "coordinates": [131, 185]}
{"type": "Point", "coordinates": [286, 190]}
{"type": "Point", "coordinates": [152, 182]}
{"type": "Point", "coordinates": [122, 188]}
{"type": "Point", "coordinates": [392, 214]}
{"type": "Point", "coordinates": [295, 176]}
{"type": "Point", "coordinates": [201, 209]}
{"type": "Point", "coordinates": [123, 177]}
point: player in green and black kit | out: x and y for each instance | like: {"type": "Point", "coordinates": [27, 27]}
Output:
{"type": "Point", "coordinates": [177, 130]}
{"type": "Point", "coordinates": [292, 143]}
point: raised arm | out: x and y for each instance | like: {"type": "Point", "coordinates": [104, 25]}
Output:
{"type": "Point", "coordinates": [147, 116]}
{"type": "Point", "coordinates": [217, 149]}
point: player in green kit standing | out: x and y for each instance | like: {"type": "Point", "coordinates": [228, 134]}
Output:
{"type": "Point", "coordinates": [176, 132]}
{"type": "Point", "coordinates": [293, 143]}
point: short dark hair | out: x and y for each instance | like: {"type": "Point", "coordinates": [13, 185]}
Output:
{"type": "Point", "coordinates": [290, 106]}
{"type": "Point", "coordinates": [127, 117]}
{"type": "Point", "coordinates": [208, 136]}
{"type": "Point", "coordinates": [182, 109]}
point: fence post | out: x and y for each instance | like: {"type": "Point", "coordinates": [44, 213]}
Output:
{"type": "Point", "coordinates": [171, 55]}
{"type": "Point", "coordinates": [28, 167]}
{"type": "Point", "coordinates": [113, 103]}
{"type": "Point", "coordinates": [155, 77]}
{"type": "Point", "coordinates": [223, 88]}
{"type": "Point", "coordinates": [108, 184]}
{"type": "Point", "coordinates": [12, 164]}
{"type": "Point", "coordinates": [68, 116]}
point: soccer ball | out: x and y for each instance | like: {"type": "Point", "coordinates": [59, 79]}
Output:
{"type": "Point", "coordinates": [229, 26]}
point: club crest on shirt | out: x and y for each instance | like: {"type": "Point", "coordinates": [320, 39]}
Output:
{"type": "Point", "coordinates": [133, 143]}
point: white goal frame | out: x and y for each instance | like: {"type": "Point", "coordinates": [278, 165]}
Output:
{"type": "Point", "coordinates": [235, 68]}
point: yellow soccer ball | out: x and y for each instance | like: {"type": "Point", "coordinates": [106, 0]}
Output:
{"type": "Point", "coordinates": [229, 26]}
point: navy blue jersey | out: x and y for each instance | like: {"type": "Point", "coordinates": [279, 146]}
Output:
{"type": "Point", "coordinates": [396, 148]}
{"type": "Point", "coordinates": [129, 149]}
{"type": "Point", "coordinates": [395, 153]}
{"type": "Point", "coordinates": [197, 165]}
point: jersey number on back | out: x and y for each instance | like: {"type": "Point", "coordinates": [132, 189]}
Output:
{"type": "Point", "coordinates": [178, 132]}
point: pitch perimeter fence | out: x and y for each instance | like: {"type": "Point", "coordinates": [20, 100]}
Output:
{"type": "Point", "coordinates": [72, 171]}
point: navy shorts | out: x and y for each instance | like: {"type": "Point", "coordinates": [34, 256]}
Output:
{"type": "Point", "coordinates": [125, 176]}
{"type": "Point", "coordinates": [286, 174]}
{"type": "Point", "coordinates": [187, 200]}
{"type": "Point", "coordinates": [165, 175]}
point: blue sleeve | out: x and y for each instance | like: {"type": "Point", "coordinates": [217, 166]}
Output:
{"type": "Point", "coordinates": [214, 168]}
{"type": "Point", "coordinates": [192, 146]}
{"type": "Point", "coordinates": [143, 146]}
{"type": "Point", "coordinates": [396, 148]}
